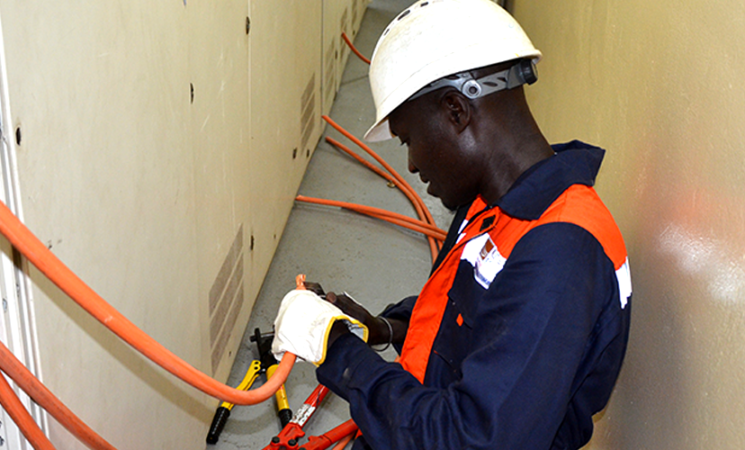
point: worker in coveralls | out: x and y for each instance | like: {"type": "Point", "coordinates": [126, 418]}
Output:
{"type": "Point", "coordinates": [518, 336]}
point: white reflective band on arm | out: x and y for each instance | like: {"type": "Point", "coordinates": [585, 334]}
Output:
{"type": "Point", "coordinates": [624, 283]}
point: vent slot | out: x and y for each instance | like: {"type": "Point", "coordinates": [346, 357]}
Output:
{"type": "Point", "coordinates": [226, 299]}
{"type": "Point", "coordinates": [330, 70]}
{"type": "Point", "coordinates": [307, 111]}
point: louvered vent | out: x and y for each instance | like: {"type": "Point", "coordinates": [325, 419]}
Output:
{"type": "Point", "coordinates": [308, 111]}
{"type": "Point", "coordinates": [329, 85]}
{"type": "Point", "coordinates": [226, 299]}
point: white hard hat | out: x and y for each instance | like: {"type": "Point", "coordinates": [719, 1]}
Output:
{"type": "Point", "coordinates": [433, 39]}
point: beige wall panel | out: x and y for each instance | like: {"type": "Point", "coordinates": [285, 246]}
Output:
{"type": "Point", "coordinates": [100, 92]}
{"type": "Point", "coordinates": [285, 49]}
{"type": "Point", "coordinates": [161, 149]}
{"type": "Point", "coordinates": [337, 20]}
{"type": "Point", "coordinates": [220, 134]}
{"type": "Point", "coordinates": [330, 46]}
{"type": "Point", "coordinates": [358, 12]}
{"type": "Point", "coordinates": [345, 25]}
{"type": "Point", "coordinates": [657, 85]}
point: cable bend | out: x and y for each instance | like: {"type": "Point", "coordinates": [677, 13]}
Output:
{"type": "Point", "coordinates": [354, 49]}
{"type": "Point", "coordinates": [39, 255]}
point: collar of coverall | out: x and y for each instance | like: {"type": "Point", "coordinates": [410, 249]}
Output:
{"type": "Point", "coordinates": [538, 187]}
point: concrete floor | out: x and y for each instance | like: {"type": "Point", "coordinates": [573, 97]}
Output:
{"type": "Point", "coordinates": [375, 262]}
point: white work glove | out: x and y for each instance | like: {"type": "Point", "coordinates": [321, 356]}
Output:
{"type": "Point", "coordinates": [303, 324]}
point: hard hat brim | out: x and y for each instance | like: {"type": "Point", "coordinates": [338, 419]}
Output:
{"type": "Point", "coordinates": [380, 131]}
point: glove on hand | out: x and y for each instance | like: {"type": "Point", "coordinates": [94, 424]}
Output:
{"type": "Point", "coordinates": [303, 324]}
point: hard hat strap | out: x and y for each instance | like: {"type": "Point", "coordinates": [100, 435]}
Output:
{"type": "Point", "coordinates": [517, 75]}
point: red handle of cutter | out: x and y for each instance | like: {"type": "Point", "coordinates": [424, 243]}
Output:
{"type": "Point", "coordinates": [325, 441]}
{"type": "Point", "coordinates": [288, 437]}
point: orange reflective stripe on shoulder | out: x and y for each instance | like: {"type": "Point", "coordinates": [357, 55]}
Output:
{"type": "Point", "coordinates": [582, 206]}
{"type": "Point", "coordinates": [579, 205]}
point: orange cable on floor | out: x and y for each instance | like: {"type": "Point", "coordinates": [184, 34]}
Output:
{"type": "Point", "coordinates": [353, 48]}
{"type": "Point", "coordinates": [406, 188]}
{"type": "Point", "coordinates": [362, 160]}
{"type": "Point", "coordinates": [383, 163]}
{"type": "Point", "coordinates": [398, 219]}
{"type": "Point", "coordinates": [421, 208]}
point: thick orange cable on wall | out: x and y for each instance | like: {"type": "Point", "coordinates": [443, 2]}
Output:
{"type": "Point", "coordinates": [44, 397]}
{"type": "Point", "coordinates": [44, 260]}
{"type": "Point", "coordinates": [15, 409]}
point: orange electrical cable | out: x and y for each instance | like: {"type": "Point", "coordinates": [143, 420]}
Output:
{"type": "Point", "coordinates": [44, 260]}
{"type": "Point", "coordinates": [44, 397]}
{"type": "Point", "coordinates": [343, 443]}
{"type": "Point", "coordinates": [362, 160]}
{"type": "Point", "coordinates": [420, 227]}
{"type": "Point", "coordinates": [15, 409]}
{"type": "Point", "coordinates": [400, 219]}
{"type": "Point", "coordinates": [300, 282]}
{"type": "Point", "coordinates": [353, 48]}
{"type": "Point", "coordinates": [386, 216]}
{"type": "Point", "coordinates": [380, 160]}
{"type": "Point", "coordinates": [419, 205]}
{"type": "Point", "coordinates": [406, 189]}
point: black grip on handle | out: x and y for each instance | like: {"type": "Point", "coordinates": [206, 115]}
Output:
{"type": "Point", "coordinates": [218, 423]}
{"type": "Point", "coordinates": [285, 416]}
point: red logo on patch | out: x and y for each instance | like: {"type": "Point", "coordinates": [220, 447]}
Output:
{"type": "Point", "coordinates": [488, 247]}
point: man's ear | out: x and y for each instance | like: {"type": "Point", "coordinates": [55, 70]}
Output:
{"type": "Point", "coordinates": [457, 108]}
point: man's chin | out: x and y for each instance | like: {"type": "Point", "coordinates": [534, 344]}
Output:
{"type": "Point", "coordinates": [453, 205]}
{"type": "Point", "coordinates": [447, 204]}
{"type": "Point", "coordinates": [450, 207]}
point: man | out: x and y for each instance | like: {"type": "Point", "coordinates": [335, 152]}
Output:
{"type": "Point", "coordinates": [517, 338]}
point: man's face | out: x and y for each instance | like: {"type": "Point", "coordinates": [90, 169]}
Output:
{"type": "Point", "coordinates": [436, 152]}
